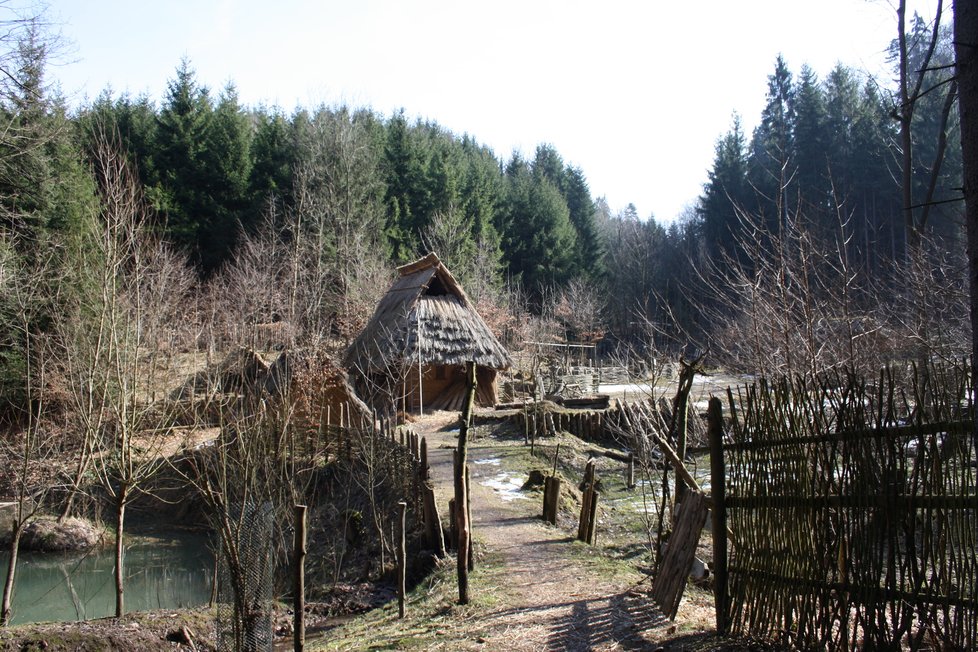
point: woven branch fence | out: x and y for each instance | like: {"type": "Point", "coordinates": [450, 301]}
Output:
{"type": "Point", "coordinates": [622, 424]}
{"type": "Point", "coordinates": [394, 451]}
{"type": "Point", "coordinates": [855, 512]}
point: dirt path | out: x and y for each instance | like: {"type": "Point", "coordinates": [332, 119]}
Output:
{"type": "Point", "coordinates": [557, 594]}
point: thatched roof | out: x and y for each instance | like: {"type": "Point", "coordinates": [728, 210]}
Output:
{"type": "Point", "coordinates": [425, 308]}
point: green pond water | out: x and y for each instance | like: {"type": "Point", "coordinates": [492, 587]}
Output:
{"type": "Point", "coordinates": [161, 573]}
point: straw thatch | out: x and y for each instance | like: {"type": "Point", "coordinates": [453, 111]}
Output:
{"type": "Point", "coordinates": [425, 320]}
{"type": "Point", "coordinates": [425, 309]}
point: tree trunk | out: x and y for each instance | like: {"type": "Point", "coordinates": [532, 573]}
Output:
{"type": "Point", "coordinates": [120, 577]}
{"type": "Point", "coordinates": [8, 588]}
{"type": "Point", "coordinates": [965, 49]}
{"type": "Point", "coordinates": [299, 563]}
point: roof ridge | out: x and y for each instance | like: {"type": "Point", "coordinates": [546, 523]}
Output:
{"type": "Point", "coordinates": [431, 260]}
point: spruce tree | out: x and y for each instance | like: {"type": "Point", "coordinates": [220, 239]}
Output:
{"type": "Point", "coordinates": [225, 168]}
{"type": "Point", "coordinates": [538, 237]}
{"type": "Point", "coordinates": [182, 123]}
{"type": "Point", "coordinates": [725, 194]}
{"type": "Point", "coordinates": [588, 253]}
{"type": "Point", "coordinates": [273, 155]}
{"type": "Point", "coordinates": [810, 147]}
{"type": "Point", "coordinates": [771, 164]}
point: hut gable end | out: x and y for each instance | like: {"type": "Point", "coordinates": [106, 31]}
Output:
{"type": "Point", "coordinates": [425, 317]}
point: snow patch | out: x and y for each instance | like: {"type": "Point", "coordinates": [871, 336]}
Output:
{"type": "Point", "coordinates": [507, 486]}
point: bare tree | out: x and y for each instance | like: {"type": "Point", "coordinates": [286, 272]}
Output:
{"type": "Point", "coordinates": [266, 456]}
{"type": "Point", "coordinates": [789, 304]}
{"type": "Point", "coordinates": [914, 76]}
{"type": "Point", "coordinates": [581, 306]}
{"type": "Point", "coordinates": [120, 325]}
{"type": "Point", "coordinates": [339, 214]}
{"type": "Point", "coordinates": [29, 446]}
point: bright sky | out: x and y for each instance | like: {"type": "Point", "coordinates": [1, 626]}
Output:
{"type": "Point", "coordinates": [634, 92]}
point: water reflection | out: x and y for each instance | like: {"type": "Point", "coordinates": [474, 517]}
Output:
{"type": "Point", "coordinates": [161, 573]}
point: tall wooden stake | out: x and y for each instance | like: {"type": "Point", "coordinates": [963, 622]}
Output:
{"type": "Point", "coordinates": [299, 599]}
{"type": "Point", "coordinates": [718, 489]}
{"type": "Point", "coordinates": [432, 520]}
{"type": "Point", "coordinates": [461, 495]}
{"type": "Point", "coordinates": [468, 517]}
{"type": "Point", "coordinates": [420, 373]}
{"type": "Point", "coordinates": [401, 557]}
{"type": "Point", "coordinates": [680, 414]}
{"type": "Point", "coordinates": [588, 505]}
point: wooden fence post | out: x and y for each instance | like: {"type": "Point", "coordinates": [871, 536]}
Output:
{"type": "Point", "coordinates": [533, 435]}
{"type": "Point", "coordinates": [546, 499]}
{"type": "Point", "coordinates": [401, 556]}
{"type": "Point", "coordinates": [551, 499]}
{"type": "Point", "coordinates": [461, 493]}
{"type": "Point", "coordinates": [432, 519]}
{"type": "Point", "coordinates": [592, 517]}
{"type": "Point", "coordinates": [718, 489]}
{"type": "Point", "coordinates": [588, 504]}
{"type": "Point", "coordinates": [299, 599]}
{"type": "Point", "coordinates": [425, 475]}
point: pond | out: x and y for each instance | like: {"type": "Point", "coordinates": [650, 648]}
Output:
{"type": "Point", "coordinates": [168, 572]}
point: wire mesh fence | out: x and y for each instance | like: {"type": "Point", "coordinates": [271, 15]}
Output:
{"type": "Point", "coordinates": [854, 512]}
{"type": "Point", "coordinates": [244, 597]}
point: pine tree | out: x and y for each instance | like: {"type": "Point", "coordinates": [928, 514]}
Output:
{"type": "Point", "coordinates": [134, 122]}
{"type": "Point", "coordinates": [404, 173]}
{"type": "Point", "coordinates": [46, 192]}
{"type": "Point", "coordinates": [482, 189]}
{"type": "Point", "coordinates": [875, 198]}
{"type": "Point", "coordinates": [273, 155]}
{"type": "Point", "coordinates": [548, 164]}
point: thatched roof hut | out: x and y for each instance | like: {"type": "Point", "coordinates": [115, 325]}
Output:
{"type": "Point", "coordinates": [413, 351]}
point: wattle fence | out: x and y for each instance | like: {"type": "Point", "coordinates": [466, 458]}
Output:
{"type": "Point", "coordinates": [853, 512]}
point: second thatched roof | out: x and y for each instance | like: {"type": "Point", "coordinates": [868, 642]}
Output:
{"type": "Point", "coordinates": [425, 316]}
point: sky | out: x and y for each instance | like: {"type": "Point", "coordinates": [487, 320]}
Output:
{"type": "Point", "coordinates": [633, 92]}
